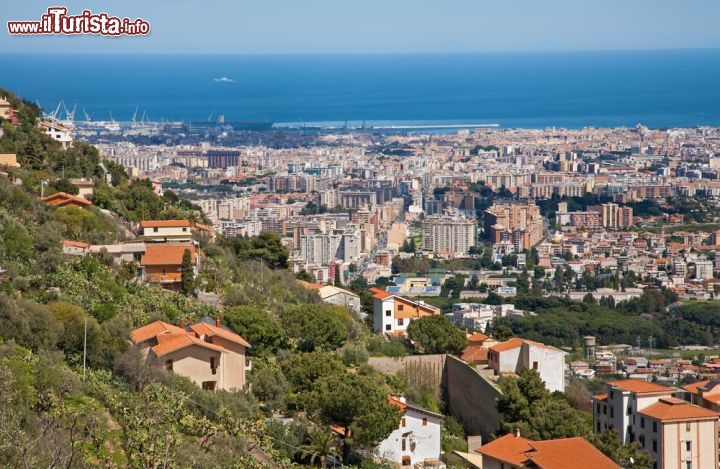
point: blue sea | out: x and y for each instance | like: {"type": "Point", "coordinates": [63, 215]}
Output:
{"type": "Point", "coordinates": [532, 90]}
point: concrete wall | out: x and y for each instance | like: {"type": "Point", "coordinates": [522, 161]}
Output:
{"type": "Point", "coordinates": [423, 441]}
{"type": "Point", "coordinates": [422, 371]}
{"type": "Point", "coordinates": [194, 362]}
{"type": "Point", "coordinates": [550, 365]}
{"type": "Point", "coordinates": [471, 398]}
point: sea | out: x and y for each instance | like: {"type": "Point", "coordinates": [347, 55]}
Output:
{"type": "Point", "coordinates": [658, 89]}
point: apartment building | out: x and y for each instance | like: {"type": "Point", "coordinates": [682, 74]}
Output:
{"type": "Point", "coordinates": [676, 433]}
{"type": "Point", "coordinates": [449, 237]}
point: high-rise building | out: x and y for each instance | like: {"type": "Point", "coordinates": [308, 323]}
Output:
{"type": "Point", "coordinates": [519, 223]}
{"type": "Point", "coordinates": [447, 236]}
{"type": "Point", "coordinates": [614, 216]}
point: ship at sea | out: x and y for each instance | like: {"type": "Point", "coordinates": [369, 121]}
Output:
{"type": "Point", "coordinates": [228, 125]}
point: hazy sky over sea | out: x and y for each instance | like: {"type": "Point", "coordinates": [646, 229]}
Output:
{"type": "Point", "coordinates": [359, 26]}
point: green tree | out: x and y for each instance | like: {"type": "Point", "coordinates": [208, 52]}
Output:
{"type": "Point", "coordinates": [306, 276]}
{"type": "Point", "coordinates": [302, 370]}
{"type": "Point", "coordinates": [436, 334]}
{"type": "Point", "coordinates": [269, 384]}
{"type": "Point", "coordinates": [632, 456]}
{"type": "Point", "coordinates": [358, 405]}
{"type": "Point", "coordinates": [316, 326]}
{"type": "Point", "coordinates": [187, 274]}
{"type": "Point", "coordinates": [257, 326]}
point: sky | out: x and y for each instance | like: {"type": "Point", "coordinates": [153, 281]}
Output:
{"type": "Point", "coordinates": [379, 26]}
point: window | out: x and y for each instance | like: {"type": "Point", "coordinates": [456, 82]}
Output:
{"type": "Point", "coordinates": [213, 368]}
{"type": "Point", "coordinates": [402, 422]}
{"type": "Point", "coordinates": [535, 365]}
{"type": "Point", "coordinates": [597, 427]}
{"type": "Point", "coordinates": [400, 322]}
{"type": "Point", "coordinates": [405, 460]}
{"type": "Point", "coordinates": [208, 385]}
{"type": "Point", "coordinates": [688, 465]}
{"type": "Point", "coordinates": [654, 427]}
{"type": "Point", "coordinates": [388, 312]}
{"type": "Point", "coordinates": [642, 422]}
{"type": "Point", "coordinates": [404, 444]}
{"type": "Point", "coordinates": [388, 327]}
{"type": "Point", "coordinates": [642, 441]}
{"type": "Point", "coordinates": [612, 412]}
{"type": "Point", "coordinates": [655, 446]}
{"type": "Point", "coordinates": [604, 410]}
{"type": "Point", "coordinates": [400, 307]}
{"type": "Point", "coordinates": [425, 422]}
{"type": "Point", "coordinates": [687, 426]}
{"type": "Point", "coordinates": [597, 408]}
{"type": "Point", "coordinates": [629, 411]}
{"type": "Point", "coordinates": [169, 365]}
{"type": "Point", "coordinates": [184, 229]}
{"type": "Point", "coordinates": [688, 445]}
{"type": "Point", "coordinates": [155, 230]}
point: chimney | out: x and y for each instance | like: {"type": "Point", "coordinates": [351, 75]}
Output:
{"type": "Point", "coordinates": [182, 323]}
{"type": "Point", "coordinates": [218, 323]}
{"type": "Point", "coordinates": [517, 433]}
{"type": "Point", "coordinates": [402, 399]}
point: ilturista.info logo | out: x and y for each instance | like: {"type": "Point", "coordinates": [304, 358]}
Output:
{"type": "Point", "coordinates": [57, 21]}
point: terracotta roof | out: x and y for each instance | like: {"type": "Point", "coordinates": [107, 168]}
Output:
{"type": "Point", "coordinates": [478, 337]}
{"type": "Point", "coordinates": [639, 386]}
{"type": "Point", "coordinates": [164, 254]}
{"type": "Point", "coordinates": [309, 286]}
{"type": "Point", "coordinates": [164, 223]}
{"type": "Point", "coordinates": [202, 328]}
{"type": "Point", "coordinates": [600, 397]}
{"type": "Point", "coordinates": [397, 402]}
{"type": "Point", "coordinates": [60, 199]}
{"type": "Point", "coordinates": [380, 294]}
{"type": "Point", "coordinates": [568, 453]}
{"type": "Point", "coordinates": [473, 353]}
{"type": "Point", "coordinates": [507, 345]}
{"type": "Point", "coordinates": [509, 448]}
{"type": "Point", "coordinates": [202, 227]}
{"type": "Point", "coordinates": [75, 244]}
{"type": "Point", "coordinates": [670, 408]}
{"type": "Point", "coordinates": [154, 329]}
{"type": "Point", "coordinates": [179, 341]}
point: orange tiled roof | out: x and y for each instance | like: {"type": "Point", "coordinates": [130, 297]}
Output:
{"type": "Point", "coordinates": [639, 386]}
{"type": "Point", "coordinates": [568, 453]}
{"type": "Point", "coordinates": [180, 341]}
{"type": "Point", "coordinates": [202, 328]}
{"type": "Point", "coordinates": [397, 402]}
{"type": "Point", "coordinates": [164, 254]}
{"type": "Point", "coordinates": [670, 409]}
{"type": "Point", "coordinates": [379, 294]}
{"type": "Point", "coordinates": [693, 388]}
{"type": "Point", "coordinates": [75, 244]}
{"type": "Point", "coordinates": [474, 353]}
{"type": "Point", "coordinates": [509, 448]}
{"type": "Point", "coordinates": [600, 397]}
{"type": "Point", "coordinates": [509, 344]}
{"type": "Point", "coordinates": [154, 329]}
{"type": "Point", "coordinates": [61, 199]}
{"type": "Point", "coordinates": [164, 223]}
{"type": "Point", "coordinates": [309, 286]}
{"type": "Point", "coordinates": [478, 337]}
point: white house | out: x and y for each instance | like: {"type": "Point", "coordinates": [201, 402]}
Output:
{"type": "Point", "coordinates": [164, 230]}
{"type": "Point", "coordinates": [416, 441]}
{"type": "Point", "coordinates": [515, 355]}
{"type": "Point", "coordinates": [392, 313]}
{"type": "Point", "coordinates": [58, 132]}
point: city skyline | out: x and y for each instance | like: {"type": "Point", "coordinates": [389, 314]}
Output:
{"type": "Point", "coordinates": [351, 27]}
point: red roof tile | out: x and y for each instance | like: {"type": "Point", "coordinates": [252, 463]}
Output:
{"type": "Point", "coordinates": [165, 223]}
{"type": "Point", "coordinates": [672, 409]}
{"type": "Point", "coordinates": [509, 448]}
{"type": "Point", "coordinates": [568, 453]}
{"type": "Point", "coordinates": [639, 386]}
{"type": "Point", "coordinates": [202, 328]}
{"type": "Point", "coordinates": [164, 254]}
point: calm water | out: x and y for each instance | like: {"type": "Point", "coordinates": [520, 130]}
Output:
{"type": "Point", "coordinates": [659, 88]}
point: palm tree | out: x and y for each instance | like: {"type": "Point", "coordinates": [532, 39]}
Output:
{"type": "Point", "coordinates": [321, 443]}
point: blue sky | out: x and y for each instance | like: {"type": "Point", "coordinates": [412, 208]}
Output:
{"type": "Point", "coordinates": [371, 26]}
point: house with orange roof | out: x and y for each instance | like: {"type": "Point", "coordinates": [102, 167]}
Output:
{"type": "Point", "coordinates": [63, 199]}
{"type": "Point", "coordinates": [705, 393]}
{"type": "Point", "coordinates": [208, 353]}
{"type": "Point", "coordinates": [392, 313]}
{"type": "Point", "coordinates": [166, 230]}
{"type": "Point", "coordinates": [515, 355]}
{"type": "Point", "coordinates": [416, 441]}
{"type": "Point", "coordinates": [677, 433]}
{"type": "Point", "coordinates": [161, 263]}
{"type": "Point", "coordinates": [74, 248]}
{"type": "Point", "coordinates": [515, 452]}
